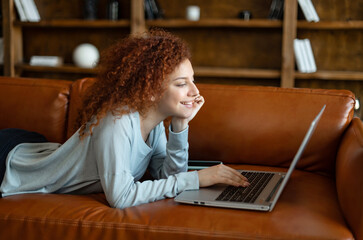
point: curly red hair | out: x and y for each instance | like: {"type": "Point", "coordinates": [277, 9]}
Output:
{"type": "Point", "coordinates": [131, 76]}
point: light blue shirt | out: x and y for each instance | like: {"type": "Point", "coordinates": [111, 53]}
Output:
{"type": "Point", "coordinates": [111, 160]}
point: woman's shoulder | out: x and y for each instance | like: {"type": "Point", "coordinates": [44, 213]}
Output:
{"type": "Point", "coordinates": [113, 123]}
{"type": "Point", "coordinates": [114, 118]}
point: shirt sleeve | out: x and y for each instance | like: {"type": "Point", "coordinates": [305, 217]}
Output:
{"type": "Point", "coordinates": [131, 193]}
{"type": "Point", "coordinates": [113, 149]}
{"type": "Point", "coordinates": [169, 157]}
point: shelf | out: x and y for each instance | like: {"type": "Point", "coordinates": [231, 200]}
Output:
{"type": "Point", "coordinates": [238, 23]}
{"type": "Point", "coordinates": [61, 69]}
{"type": "Point", "coordinates": [214, 39]}
{"type": "Point", "coordinates": [330, 25]}
{"type": "Point", "coordinates": [199, 71]}
{"type": "Point", "coordinates": [331, 75]}
{"type": "Point", "coordinates": [216, 72]}
{"type": "Point", "coordinates": [75, 23]}
{"type": "Point", "coordinates": [236, 72]}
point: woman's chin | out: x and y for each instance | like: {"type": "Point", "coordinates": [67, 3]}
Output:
{"type": "Point", "coordinates": [183, 115]}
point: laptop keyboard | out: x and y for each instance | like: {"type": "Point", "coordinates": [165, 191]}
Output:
{"type": "Point", "coordinates": [257, 180]}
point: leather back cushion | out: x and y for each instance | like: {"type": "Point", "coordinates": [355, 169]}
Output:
{"type": "Point", "coordinates": [260, 125]}
{"type": "Point", "coordinates": [78, 91]}
{"type": "Point", "coordinates": [265, 125]}
{"type": "Point", "coordinates": [36, 105]}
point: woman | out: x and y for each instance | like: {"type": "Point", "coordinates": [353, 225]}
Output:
{"type": "Point", "coordinates": [142, 81]}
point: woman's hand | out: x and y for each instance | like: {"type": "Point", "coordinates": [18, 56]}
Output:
{"type": "Point", "coordinates": [221, 174]}
{"type": "Point", "coordinates": [179, 124]}
{"type": "Point", "coordinates": [198, 103]}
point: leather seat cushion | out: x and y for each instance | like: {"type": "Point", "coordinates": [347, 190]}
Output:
{"type": "Point", "coordinates": [307, 209]}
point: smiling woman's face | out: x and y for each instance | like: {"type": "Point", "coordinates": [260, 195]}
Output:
{"type": "Point", "coordinates": [179, 97]}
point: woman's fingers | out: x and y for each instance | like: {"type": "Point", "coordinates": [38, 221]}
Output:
{"type": "Point", "coordinates": [235, 177]}
{"type": "Point", "coordinates": [238, 174]}
{"type": "Point", "coordinates": [198, 103]}
{"type": "Point", "coordinates": [221, 174]}
{"type": "Point", "coordinates": [234, 183]}
{"type": "Point", "coordinates": [199, 99]}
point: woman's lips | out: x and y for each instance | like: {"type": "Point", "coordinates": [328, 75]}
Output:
{"type": "Point", "coordinates": [187, 103]}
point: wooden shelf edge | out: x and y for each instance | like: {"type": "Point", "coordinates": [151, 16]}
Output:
{"type": "Point", "coordinates": [217, 72]}
{"type": "Point", "coordinates": [76, 23]}
{"type": "Point", "coordinates": [180, 23]}
{"type": "Point", "coordinates": [331, 75]}
{"type": "Point", "coordinates": [330, 25]}
{"type": "Point", "coordinates": [59, 69]}
{"type": "Point", "coordinates": [236, 72]}
{"type": "Point", "coordinates": [199, 71]}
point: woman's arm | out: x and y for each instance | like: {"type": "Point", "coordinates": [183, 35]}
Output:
{"type": "Point", "coordinates": [121, 191]}
{"type": "Point", "coordinates": [114, 148]}
{"type": "Point", "coordinates": [174, 159]}
{"type": "Point", "coordinates": [169, 157]}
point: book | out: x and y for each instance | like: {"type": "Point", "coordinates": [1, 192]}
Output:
{"type": "Point", "coordinates": [20, 10]}
{"type": "Point", "coordinates": [304, 56]}
{"type": "Point", "coordinates": [310, 55]}
{"type": "Point", "coordinates": [49, 61]}
{"type": "Point", "coordinates": [26, 10]}
{"type": "Point", "coordinates": [156, 9]}
{"type": "Point", "coordinates": [34, 10]}
{"type": "Point", "coordinates": [299, 56]}
{"type": "Point", "coordinates": [276, 9]}
{"type": "Point", "coordinates": [1, 50]}
{"type": "Point", "coordinates": [308, 10]}
{"type": "Point", "coordinates": [152, 10]}
{"type": "Point", "coordinates": [305, 10]}
{"type": "Point", "coordinates": [312, 11]}
{"type": "Point", "coordinates": [149, 15]}
{"type": "Point", "coordinates": [30, 10]}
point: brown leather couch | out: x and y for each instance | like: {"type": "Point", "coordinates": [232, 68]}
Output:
{"type": "Point", "coordinates": [246, 127]}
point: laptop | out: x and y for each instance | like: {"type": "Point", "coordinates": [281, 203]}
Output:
{"type": "Point", "coordinates": [262, 194]}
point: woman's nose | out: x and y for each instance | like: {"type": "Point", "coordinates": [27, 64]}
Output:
{"type": "Point", "coordinates": [194, 91]}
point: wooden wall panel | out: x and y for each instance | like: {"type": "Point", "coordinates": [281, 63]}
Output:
{"type": "Point", "coordinates": [336, 50]}
{"type": "Point", "coordinates": [223, 47]}
{"type": "Point", "coordinates": [216, 8]}
{"type": "Point", "coordinates": [338, 10]}
{"type": "Point", "coordinates": [74, 9]}
{"type": "Point", "coordinates": [56, 41]}
{"type": "Point", "coordinates": [239, 81]}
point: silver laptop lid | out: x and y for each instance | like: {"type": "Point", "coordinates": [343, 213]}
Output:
{"type": "Point", "coordinates": [301, 149]}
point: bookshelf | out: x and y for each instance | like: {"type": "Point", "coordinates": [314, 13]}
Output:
{"type": "Point", "coordinates": [61, 29]}
{"type": "Point", "coordinates": [337, 41]}
{"type": "Point", "coordinates": [214, 23]}
{"type": "Point", "coordinates": [1, 36]}
{"type": "Point", "coordinates": [73, 23]}
{"type": "Point", "coordinates": [225, 49]}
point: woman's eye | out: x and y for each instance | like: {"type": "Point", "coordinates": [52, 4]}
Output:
{"type": "Point", "coordinates": [181, 84]}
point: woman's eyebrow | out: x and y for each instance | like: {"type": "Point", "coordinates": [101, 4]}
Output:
{"type": "Point", "coordinates": [178, 78]}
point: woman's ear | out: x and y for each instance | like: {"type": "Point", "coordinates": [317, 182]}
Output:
{"type": "Point", "coordinates": [152, 98]}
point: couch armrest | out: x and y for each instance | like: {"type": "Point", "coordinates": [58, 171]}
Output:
{"type": "Point", "coordinates": [349, 176]}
